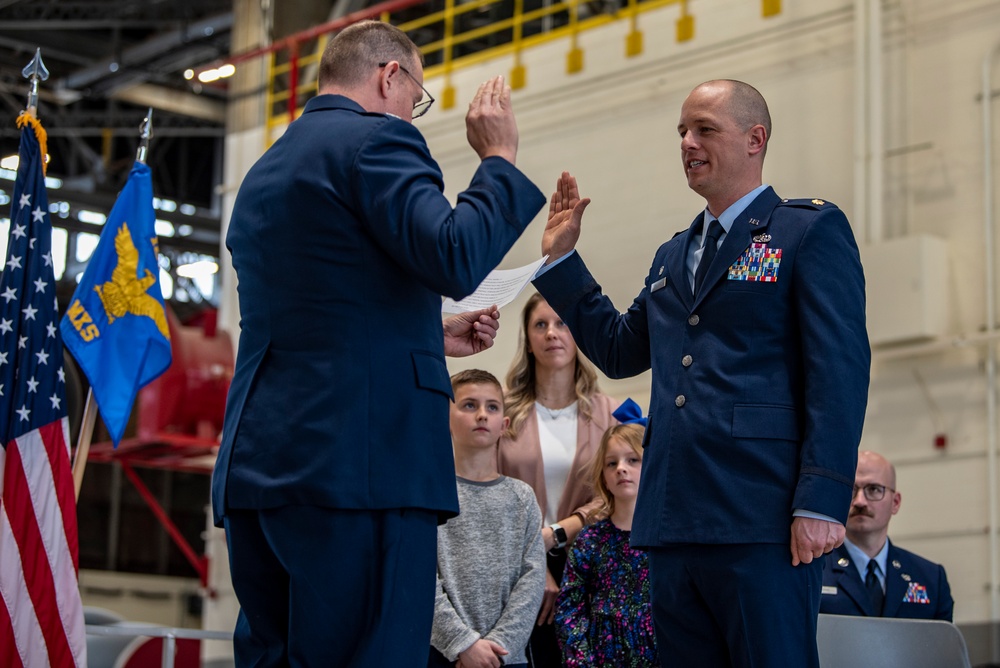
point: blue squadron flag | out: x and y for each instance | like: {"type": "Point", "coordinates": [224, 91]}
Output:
{"type": "Point", "coordinates": [41, 615]}
{"type": "Point", "coordinates": [116, 325]}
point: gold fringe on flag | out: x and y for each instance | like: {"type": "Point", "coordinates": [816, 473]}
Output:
{"type": "Point", "coordinates": [43, 139]}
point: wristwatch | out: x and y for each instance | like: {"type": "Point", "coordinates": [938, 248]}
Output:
{"type": "Point", "coordinates": [560, 536]}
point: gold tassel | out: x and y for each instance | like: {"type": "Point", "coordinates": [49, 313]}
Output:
{"type": "Point", "coordinates": [40, 134]}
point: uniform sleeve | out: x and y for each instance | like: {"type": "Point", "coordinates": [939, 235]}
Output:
{"type": "Point", "coordinates": [617, 343]}
{"type": "Point", "coordinates": [517, 620]}
{"type": "Point", "coordinates": [946, 609]}
{"type": "Point", "coordinates": [829, 298]}
{"type": "Point", "coordinates": [401, 191]}
{"type": "Point", "coordinates": [573, 604]}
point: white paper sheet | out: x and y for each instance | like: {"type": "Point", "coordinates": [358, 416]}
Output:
{"type": "Point", "coordinates": [500, 287]}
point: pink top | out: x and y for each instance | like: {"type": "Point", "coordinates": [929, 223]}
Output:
{"type": "Point", "coordinates": [521, 458]}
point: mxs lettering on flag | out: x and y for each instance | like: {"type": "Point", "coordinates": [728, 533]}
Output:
{"type": "Point", "coordinates": [115, 325]}
{"type": "Point", "coordinates": [41, 616]}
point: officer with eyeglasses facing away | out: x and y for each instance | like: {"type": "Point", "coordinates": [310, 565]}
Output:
{"type": "Point", "coordinates": [868, 575]}
{"type": "Point", "coordinates": [336, 464]}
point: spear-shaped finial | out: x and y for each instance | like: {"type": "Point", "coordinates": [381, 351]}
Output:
{"type": "Point", "coordinates": [34, 72]}
{"type": "Point", "coordinates": [145, 134]}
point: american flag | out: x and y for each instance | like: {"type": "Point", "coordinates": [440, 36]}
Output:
{"type": "Point", "coordinates": [41, 615]}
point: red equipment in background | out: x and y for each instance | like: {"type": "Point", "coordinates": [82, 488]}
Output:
{"type": "Point", "coordinates": [189, 399]}
{"type": "Point", "coordinates": [179, 416]}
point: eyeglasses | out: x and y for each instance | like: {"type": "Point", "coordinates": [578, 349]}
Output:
{"type": "Point", "coordinates": [422, 107]}
{"type": "Point", "coordinates": [873, 492]}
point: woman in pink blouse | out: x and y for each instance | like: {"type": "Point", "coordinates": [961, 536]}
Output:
{"type": "Point", "coordinates": [558, 416]}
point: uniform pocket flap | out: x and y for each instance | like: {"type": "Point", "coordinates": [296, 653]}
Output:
{"type": "Point", "coordinates": [432, 373]}
{"type": "Point", "coordinates": [763, 421]}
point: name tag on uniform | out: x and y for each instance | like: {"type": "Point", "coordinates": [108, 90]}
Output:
{"type": "Point", "coordinates": [829, 590]}
{"type": "Point", "coordinates": [659, 284]}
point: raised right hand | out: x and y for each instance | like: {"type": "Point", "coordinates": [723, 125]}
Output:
{"type": "Point", "coordinates": [562, 230]}
{"type": "Point", "coordinates": [490, 126]}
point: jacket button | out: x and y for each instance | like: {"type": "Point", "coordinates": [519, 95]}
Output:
{"type": "Point", "coordinates": [686, 360]}
{"type": "Point", "coordinates": [694, 320]}
{"type": "Point", "coordinates": [679, 401]}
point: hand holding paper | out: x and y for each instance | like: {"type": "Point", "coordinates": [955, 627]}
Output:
{"type": "Point", "coordinates": [498, 289]}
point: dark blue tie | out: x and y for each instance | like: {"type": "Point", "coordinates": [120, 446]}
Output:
{"type": "Point", "coordinates": [711, 248]}
{"type": "Point", "coordinates": [874, 588]}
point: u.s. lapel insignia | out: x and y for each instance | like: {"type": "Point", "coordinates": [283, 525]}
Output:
{"type": "Point", "coordinates": [896, 564]}
{"type": "Point", "coordinates": [754, 222]}
{"type": "Point", "coordinates": [818, 202]}
{"type": "Point", "coordinates": [661, 271]}
{"type": "Point", "coordinates": [843, 562]}
{"type": "Point", "coordinates": [762, 238]}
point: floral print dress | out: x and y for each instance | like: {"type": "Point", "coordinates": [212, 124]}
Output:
{"type": "Point", "coordinates": [603, 614]}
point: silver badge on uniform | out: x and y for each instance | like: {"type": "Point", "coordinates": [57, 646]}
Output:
{"type": "Point", "coordinates": [762, 238]}
{"type": "Point", "coordinates": [659, 284]}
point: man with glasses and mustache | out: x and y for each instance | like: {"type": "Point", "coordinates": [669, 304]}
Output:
{"type": "Point", "coordinates": [336, 465]}
{"type": "Point", "coordinates": [868, 575]}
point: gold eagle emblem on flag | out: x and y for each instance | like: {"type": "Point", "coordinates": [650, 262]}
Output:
{"type": "Point", "coordinates": [126, 293]}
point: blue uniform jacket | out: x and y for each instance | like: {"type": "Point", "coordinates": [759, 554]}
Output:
{"type": "Point", "coordinates": [759, 383]}
{"type": "Point", "coordinates": [343, 243]}
{"type": "Point", "coordinates": [915, 588]}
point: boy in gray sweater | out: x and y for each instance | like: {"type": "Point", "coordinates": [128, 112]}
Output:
{"type": "Point", "coordinates": [491, 563]}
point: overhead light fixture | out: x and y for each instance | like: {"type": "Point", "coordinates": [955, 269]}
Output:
{"type": "Point", "coordinates": [199, 269]}
{"type": "Point", "coordinates": [163, 228]}
{"type": "Point", "coordinates": [216, 73]}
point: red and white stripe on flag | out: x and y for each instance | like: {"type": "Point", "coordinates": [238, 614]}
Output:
{"type": "Point", "coordinates": [41, 618]}
{"type": "Point", "coordinates": [41, 615]}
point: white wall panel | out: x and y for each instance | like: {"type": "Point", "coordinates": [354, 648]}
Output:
{"type": "Point", "coordinates": [614, 126]}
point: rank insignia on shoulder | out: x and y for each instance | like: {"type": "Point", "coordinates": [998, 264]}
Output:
{"type": "Point", "coordinates": [762, 238]}
{"type": "Point", "coordinates": [818, 202]}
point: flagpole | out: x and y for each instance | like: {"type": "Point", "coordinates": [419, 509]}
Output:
{"type": "Point", "coordinates": [34, 72]}
{"type": "Point", "coordinates": [83, 441]}
{"type": "Point", "coordinates": [90, 408]}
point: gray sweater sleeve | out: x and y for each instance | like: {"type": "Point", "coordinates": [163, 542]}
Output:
{"type": "Point", "coordinates": [449, 635]}
{"type": "Point", "coordinates": [518, 618]}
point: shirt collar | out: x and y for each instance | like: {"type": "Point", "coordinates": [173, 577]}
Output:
{"type": "Point", "coordinates": [735, 209]}
{"type": "Point", "coordinates": [861, 559]}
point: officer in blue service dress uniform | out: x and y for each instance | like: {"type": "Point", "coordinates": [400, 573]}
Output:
{"type": "Point", "coordinates": [753, 322]}
{"type": "Point", "coordinates": [335, 464]}
{"type": "Point", "coordinates": [870, 576]}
